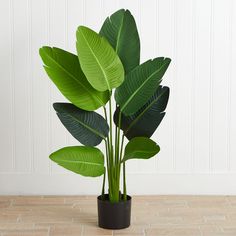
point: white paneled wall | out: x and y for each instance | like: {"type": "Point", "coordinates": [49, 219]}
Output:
{"type": "Point", "coordinates": [198, 134]}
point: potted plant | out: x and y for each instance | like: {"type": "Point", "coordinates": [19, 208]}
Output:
{"type": "Point", "coordinates": [106, 61]}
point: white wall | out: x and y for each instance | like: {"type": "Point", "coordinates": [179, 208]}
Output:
{"type": "Point", "coordinates": [198, 134]}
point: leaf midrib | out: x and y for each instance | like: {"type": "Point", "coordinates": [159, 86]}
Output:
{"type": "Point", "coordinates": [119, 33]}
{"type": "Point", "coordinates": [136, 91]}
{"type": "Point", "coordinates": [78, 162]}
{"type": "Point", "coordinates": [144, 111]}
{"type": "Point", "coordinates": [86, 126]}
{"type": "Point", "coordinates": [146, 152]}
{"type": "Point", "coordinates": [104, 73]}
{"type": "Point", "coordinates": [76, 80]}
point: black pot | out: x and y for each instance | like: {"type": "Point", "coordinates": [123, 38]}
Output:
{"type": "Point", "coordinates": [113, 215]}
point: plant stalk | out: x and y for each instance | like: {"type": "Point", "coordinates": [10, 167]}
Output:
{"type": "Point", "coordinates": [111, 148]}
{"type": "Point", "coordinates": [114, 158]}
{"type": "Point", "coordinates": [124, 183]}
{"type": "Point", "coordinates": [103, 185]}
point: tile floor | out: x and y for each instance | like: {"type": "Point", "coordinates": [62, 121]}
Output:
{"type": "Point", "coordinates": [151, 216]}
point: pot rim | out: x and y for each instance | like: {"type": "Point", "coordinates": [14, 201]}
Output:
{"type": "Point", "coordinates": [106, 201]}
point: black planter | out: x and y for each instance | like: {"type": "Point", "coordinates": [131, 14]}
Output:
{"type": "Point", "coordinates": [114, 215]}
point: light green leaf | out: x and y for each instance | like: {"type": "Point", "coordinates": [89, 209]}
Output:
{"type": "Point", "coordinates": [140, 84]}
{"type": "Point", "coordinates": [86, 161]}
{"type": "Point", "coordinates": [121, 32]}
{"type": "Point", "coordinates": [98, 60]}
{"type": "Point", "coordinates": [64, 70]}
{"type": "Point", "coordinates": [140, 148]}
{"type": "Point", "coordinates": [88, 127]}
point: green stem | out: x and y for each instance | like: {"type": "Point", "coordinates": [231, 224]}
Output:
{"type": "Point", "coordinates": [105, 113]}
{"type": "Point", "coordinates": [118, 142]}
{"type": "Point", "coordinates": [113, 163]}
{"type": "Point", "coordinates": [116, 137]}
{"type": "Point", "coordinates": [103, 185]}
{"type": "Point", "coordinates": [121, 149]}
{"type": "Point", "coordinates": [124, 183]}
{"type": "Point", "coordinates": [108, 165]}
{"type": "Point", "coordinates": [124, 177]}
{"type": "Point", "coordinates": [111, 148]}
{"type": "Point", "coordinates": [114, 192]}
{"type": "Point", "coordinates": [108, 159]}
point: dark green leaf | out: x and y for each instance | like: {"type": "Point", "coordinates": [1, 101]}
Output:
{"type": "Point", "coordinates": [121, 32]}
{"type": "Point", "coordinates": [140, 84]}
{"type": "Point", "coordinates": [86, 161]}
{"type": "Point", "coordinates": [64, 70]}
{"type": "Point", "coordinates": [140, 148]}
{"type": "Point", "coordinates": [144, 122]}
{"type": "Point", "coordinates": [88, 127]}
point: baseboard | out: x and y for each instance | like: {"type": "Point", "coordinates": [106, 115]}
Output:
{"type": "Point", "coordinates": [71, 184]}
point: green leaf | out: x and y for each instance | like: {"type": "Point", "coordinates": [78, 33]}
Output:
{"type": "Point", "coordinates": [146, 120]}
{"type": "Point", "coordinates": [140, 148]}
{"type": "Point", "coordinates": [88, 127]}
{"type": "Point", "coordinates": [140, 84]}
{"type": "Point", "coordinates": [86, 161]}
{"type": "Point", "coordinates": [64, 70]}
{"type": "Point", "coordinates": [98, 60]}
{"type": "Point", "coordinates": [121, 32]}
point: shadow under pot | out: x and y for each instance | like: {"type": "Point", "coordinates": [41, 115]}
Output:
{"type": "Point", "coordinates": [113, 215]}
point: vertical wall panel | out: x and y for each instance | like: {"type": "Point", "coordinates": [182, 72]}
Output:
{"type": "Point", "coordinates": [93, 14]}
{"type": "Point", "coordinates": [183, 79]}
{"type": "Point", "coordinates": [74, 19]}
{"type": "Point", "coordinates": [148, 29]}
{"type": "Point", "coordinates": [21, 80]}
{"type": "Point", "coordinates": [109, 7]}
{"type": "Point", "coordinates": [58, 133]}
{"type": "Point", "coordinates": [220, 86]}
{"type": "Point", "coordinates": [202, 85]}
{"type": "Point", "coordinates": [7, 112]}
{"type": "Point", "coordinates": [40, 82]}
{"type": "Point", "coordinates": [232, 88]}
{"type": "Point", "coordinates": [165, 42]}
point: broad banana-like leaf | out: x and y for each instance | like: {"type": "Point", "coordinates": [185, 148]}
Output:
{"type": "Point", "coordinates": [86, 161]}
{"type": "Point", "coordinates": [145, 121]}
{"type": "Point", "coordinates": [140, 84]}
{"type": "Point", "coordinates": [99, 62]}
{"type": "Point", "coordinates": [140, 148]}
{"type": "Point", "coordinates": [88, 127]}
{"type": "Point", "coordinates": [121, 32]}
{"type": "Point", "coordinates": [64, 70]}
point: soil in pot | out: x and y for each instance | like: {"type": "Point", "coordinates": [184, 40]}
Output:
{"type": "Point", "coordinates": [113, 215]}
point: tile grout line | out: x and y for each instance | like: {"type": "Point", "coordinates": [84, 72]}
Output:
{"type": "Point", "coordinates": [82, 230]}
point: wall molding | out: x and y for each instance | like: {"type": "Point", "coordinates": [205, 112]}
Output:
{"type": "Point", "coordinates": [69, 184]}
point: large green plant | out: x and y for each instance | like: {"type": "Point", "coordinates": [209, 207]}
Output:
{"type": "Point", "coordinates": [107, 61]}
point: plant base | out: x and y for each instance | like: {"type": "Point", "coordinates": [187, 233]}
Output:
{"type": "Point", "coordinates": [113, 215]}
